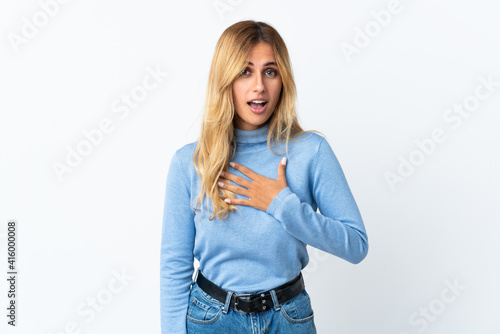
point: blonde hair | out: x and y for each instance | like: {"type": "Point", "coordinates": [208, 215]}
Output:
{"type": "Point", "coordinates": [217, 144]}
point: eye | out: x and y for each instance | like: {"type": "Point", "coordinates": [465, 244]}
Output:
{"type": "Point", "coordinates": [243, 72]}
{"type": "Point", "coordinates": [273, 72]}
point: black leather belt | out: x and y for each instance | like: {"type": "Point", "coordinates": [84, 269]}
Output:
{"type": "Point", "coordinates": [256, 302]}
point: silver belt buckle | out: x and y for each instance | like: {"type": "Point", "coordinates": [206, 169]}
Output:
{"type": "Point", "coordinates": [236, 301]}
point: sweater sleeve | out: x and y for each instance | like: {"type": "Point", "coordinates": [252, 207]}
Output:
{"type": "Point", "coordinates": [339, 228]}
{"type": "Point", "coordinates": [177, 242]}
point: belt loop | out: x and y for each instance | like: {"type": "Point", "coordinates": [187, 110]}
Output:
{"type": "Point", "coordinates": [228, 302]}
{"type": "Point", "coordinates": [277, 306]}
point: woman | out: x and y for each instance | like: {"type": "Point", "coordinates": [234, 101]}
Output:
{"type": "Point", "coordinates": [259, 211]}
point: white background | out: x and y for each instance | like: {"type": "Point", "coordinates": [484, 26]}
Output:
{"type": "Point", "coordinates": [439, 223]}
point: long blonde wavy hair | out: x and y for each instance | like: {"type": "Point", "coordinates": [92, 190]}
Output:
{"type": "Point", "coordinates": [217, 144]}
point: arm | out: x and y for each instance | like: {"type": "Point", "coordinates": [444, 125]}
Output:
{"type": "Point", "coordinates": [339, 228]}
{"type": "Point", "coordinates": [177, 242]}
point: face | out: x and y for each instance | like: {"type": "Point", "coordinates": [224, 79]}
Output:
{"type": "Point", "coordinates": [261, 82]}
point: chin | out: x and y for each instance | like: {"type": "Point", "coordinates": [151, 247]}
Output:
{"type": "Point", "coordinates": [250, 119]}
{"type": "Point", "coordinates": [258, 122]}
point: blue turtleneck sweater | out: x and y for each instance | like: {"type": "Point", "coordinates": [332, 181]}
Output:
{"type": "Point", "coordinates": [254, 250]}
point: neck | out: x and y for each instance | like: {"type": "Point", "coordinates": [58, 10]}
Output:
{"type": "Point", "coordinates": [252, 136]}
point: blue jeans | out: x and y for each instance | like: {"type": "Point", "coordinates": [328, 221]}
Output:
{"type": "Point", "coordinates": [206, 314]}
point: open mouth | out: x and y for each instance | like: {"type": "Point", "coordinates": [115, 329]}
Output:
{"type": "Point", "coordinates": [257, 106]}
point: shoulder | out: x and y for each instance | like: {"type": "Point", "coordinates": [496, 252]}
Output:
{"type": "Point", "coordinates": [186, 151]}
{"type": "Point", "coordinates": [182, 161]}
{"type": "Point", "coordinates": [316, 148]}
{"type": "Point", "coordinates": [310, 141]}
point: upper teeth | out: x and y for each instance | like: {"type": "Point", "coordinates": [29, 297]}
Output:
{"type": "Point", "coordinates": [256, 101]}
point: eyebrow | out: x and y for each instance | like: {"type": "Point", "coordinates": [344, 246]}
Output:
{"type": "Point", "coordinates": [266, 64]}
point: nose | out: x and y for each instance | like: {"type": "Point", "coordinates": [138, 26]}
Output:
{"type": "Point", "coordinates": [258, 84]}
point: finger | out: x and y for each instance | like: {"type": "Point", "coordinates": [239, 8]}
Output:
{"type": "Point", "coordinates": [236, 179]}
{"type": "Point", "coordinates": [234, 189]}
{"type": "Point", "coordinates": [282, 169]}
{"type": "Point", "coordinates": [246, 171]}
{"type": "Point", "coordinates": [237, 201]}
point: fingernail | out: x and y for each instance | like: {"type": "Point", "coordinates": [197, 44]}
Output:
{"type": "Point", "coordinates": [222, 173]}
{"type": "Point", "coordinates": [221, 184]}
{"type": "Point", "coordinates": [283, 161]}
{"type": "Point", "coordinates": [227, 200]}
{"type": "Point", "coordinates": [232, 164]}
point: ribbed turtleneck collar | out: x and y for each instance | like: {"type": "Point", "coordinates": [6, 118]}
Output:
{"type": "Point", "coordinates": [252, 136]}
